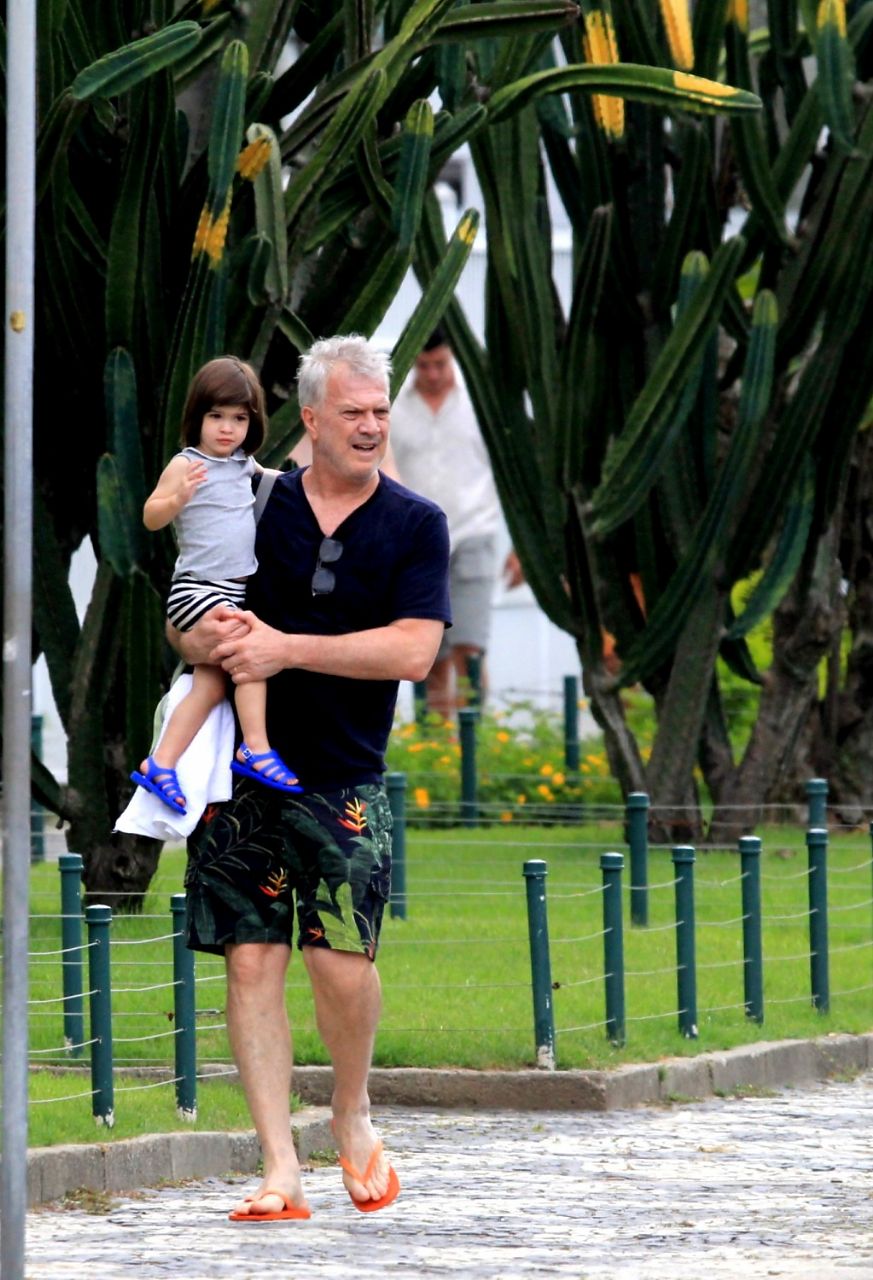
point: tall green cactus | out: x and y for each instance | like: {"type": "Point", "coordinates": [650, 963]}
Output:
{"type": "Point", "coordinates": [168, 232]}
{"type": "Point", "coordinates": [709, 433]}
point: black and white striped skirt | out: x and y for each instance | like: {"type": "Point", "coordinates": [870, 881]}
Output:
{"type": "Point", "coordinates": [190, 598]}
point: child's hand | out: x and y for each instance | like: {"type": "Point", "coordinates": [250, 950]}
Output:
{"type": "Point", "coordinates": [190, 481]}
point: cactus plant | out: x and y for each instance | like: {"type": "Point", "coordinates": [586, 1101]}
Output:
{"type": "Point", "coordinates": [168, 233]}
{"type": "Point", "coordinates": [709, 434]}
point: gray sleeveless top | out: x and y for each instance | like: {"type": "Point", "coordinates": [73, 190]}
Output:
{"type": "Point", "coordinates": [216, 529]}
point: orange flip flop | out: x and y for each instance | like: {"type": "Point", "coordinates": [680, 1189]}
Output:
{"type": "Point", "coordinates": [291, 1209]}
{"type": "Point", "coordinates": [369, 1206]}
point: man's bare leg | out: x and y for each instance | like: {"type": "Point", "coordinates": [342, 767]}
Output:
{"type": "Point", "coordinates": [260, 1040]}
{"type": "Point", "coordinates": [348, 1002]}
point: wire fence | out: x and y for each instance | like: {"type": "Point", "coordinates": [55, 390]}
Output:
{"type": "Point", "coordinates": [112, 1002]}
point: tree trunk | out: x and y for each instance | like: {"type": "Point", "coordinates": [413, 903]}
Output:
{"type": "Point", "coordinates": [606, 706]}
{"type": "Point", "coordinates": [845, 747]}
{"type": "Point", "coordinates": [676, 814]}
{"type": "Point", "coordinates": [119, 869]}
{"type": "Point", "coordinates": [772, 767]}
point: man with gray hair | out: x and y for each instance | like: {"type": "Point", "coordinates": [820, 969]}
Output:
{"type": "Point", "coordinates": [350, 597]}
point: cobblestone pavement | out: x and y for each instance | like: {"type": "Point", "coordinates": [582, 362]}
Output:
{"type": "Point", "coordinates": [761, 1186]}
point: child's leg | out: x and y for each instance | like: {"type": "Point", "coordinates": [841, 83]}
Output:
{"type": "Point", "coordinates": [207, 690]}
{"type": "Point", "coordinates": [251, 708]}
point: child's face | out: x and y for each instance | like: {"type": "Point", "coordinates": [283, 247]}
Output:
{"type": "Point", "coordinates": [224, 428]}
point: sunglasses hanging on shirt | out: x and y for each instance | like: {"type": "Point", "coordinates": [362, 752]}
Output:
{"type": "Point", "coordinates": [324, 578]}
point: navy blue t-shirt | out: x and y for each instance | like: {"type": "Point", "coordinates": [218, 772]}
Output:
{"type": "Point", "coordinates": [333, 730]}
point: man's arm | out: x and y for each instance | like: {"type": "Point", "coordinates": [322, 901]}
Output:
{"type": "Point", "coordinates": [403, 650]}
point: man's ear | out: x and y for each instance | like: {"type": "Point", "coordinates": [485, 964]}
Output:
{"type": "Point", "coordinates": [307, 417]}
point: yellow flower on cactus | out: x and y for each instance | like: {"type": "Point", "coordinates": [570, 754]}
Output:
{"type": "Point", "coordinates": [711, 91]}
{"type": "Point", "coordinates": [253, 158]}
{"type": "Point", "coordinates": [738, 14]}
{"type": "Point", "coordinates": [677, 23]}
{"type": "Point", "coordinates": [211, 234]}
{"type": "Point", "coordinates": [831, 13]}
{"type": "Point", "coordinates": [422, 797]}
{"type": "Point", "coordinates": [601, 47]}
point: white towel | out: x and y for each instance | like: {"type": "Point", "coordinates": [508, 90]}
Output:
{"type": "Point", "coordinates": [204, 774]}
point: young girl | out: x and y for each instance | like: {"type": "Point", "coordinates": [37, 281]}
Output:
{"type": "Point", "coordinates": [206, 491]}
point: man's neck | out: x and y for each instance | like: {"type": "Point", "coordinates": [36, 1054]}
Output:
{"type": "Point", "coordinates": [333, 497]}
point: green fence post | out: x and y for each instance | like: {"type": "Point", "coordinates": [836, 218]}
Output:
{"type": "Point", "coordinates": [613, 946]}
{"type": "Point", "coordinates": [467, 717]}
{"type": "Point", "coordinates": [817, 803]}
{"type": "Point", "coordinates": [184, 1014]}
{"type": "Point", "coordinates": [540, 963]}
{"type": "Point", "coordinates": [571, 724]}
{"type": "Point", "coordinates": [37, 813]}
{"type": "Point", "coordinates": [98, 919]}
{"type": "Point", "coordinates": [753, 962]}
{"type": "Point", "coordinates": [395, 785]}
{"type": "Point", "coordinates": [686, 961]}
{"type": "Point", "coordinates": [72, 964]}
{"type": "Point", "coordinates": [817, 851]}
{"type": "Point", "coordinates": [419, 700]}
{"type": "Point", "coordinates": [637, 822]}
{"type": "Point", "coordinates": [473, 665]}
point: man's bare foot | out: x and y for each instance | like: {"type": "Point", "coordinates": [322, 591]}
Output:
{"type": "Point", "coordinates": [366, 1169]}
{"type": "Point", "coordinates": [269, 1198]}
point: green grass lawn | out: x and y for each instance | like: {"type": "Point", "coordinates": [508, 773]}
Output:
{"type": "Point", "coordinates": [456, 971]}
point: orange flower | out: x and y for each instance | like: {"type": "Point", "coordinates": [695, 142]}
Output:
{"type": "Point", "coordinates": [276, 883]}
{"type": "Point", "coordinates": [354, 819]}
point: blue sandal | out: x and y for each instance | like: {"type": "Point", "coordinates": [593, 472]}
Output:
{"type": "Point", "coordinates": [270, 775]}
{"type": "Point", "coordinates": [162, 783]}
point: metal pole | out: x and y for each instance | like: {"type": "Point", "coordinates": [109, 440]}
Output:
{"type": "Point", "coordinates": [72, 960]}
{"type": "Point", "coordinates": [184, 1013]}
{"type": "Point", "coordinates": [395, 785]}
{"type": "Point", "coordinates": [817, 851]}
{"type": "Point", "coordinates": [467, 717]}
{"type": "Point", "coordinates": [37, 813]}
{"type": "Point", "coordinates": [686, 960]}
{"type": "Point", "coordinates": [99, 919]}
{"type": "Point", "coordinates": [613, 946]}
{"type": "Point", "coordinates": [473, 664]}
{"type": "Point", "coordinates": [817, 802]}
{"type": "Point", "coordinates": [20, 65]}
{"type": "Point", "coordinates": [571, 724]}
{"type": "Point", "coordinates": [419, 700]}
{"type": "Point", "coordinates": [753, 960]}
{"type": "Point", "coordinates": [540, 963]}
{"type": "Point", "coordinates": [637, 819]}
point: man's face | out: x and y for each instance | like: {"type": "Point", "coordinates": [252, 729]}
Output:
{"type": "Point", "coordinates": [435, 371]}
{"type": "Point", "coordinates": [349, 429]}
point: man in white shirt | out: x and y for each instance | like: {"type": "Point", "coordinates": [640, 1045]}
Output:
{"type": "Point", "coordinates": [440, 454]}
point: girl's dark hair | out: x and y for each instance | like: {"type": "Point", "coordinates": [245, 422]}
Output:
{"type": "Point", "coordinates": [225, 380]}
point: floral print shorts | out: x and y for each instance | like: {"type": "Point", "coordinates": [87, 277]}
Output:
{"type": "Point", "coordinates": [254, 859]}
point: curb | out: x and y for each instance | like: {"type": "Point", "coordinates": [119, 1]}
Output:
{"type": "Point", "coordinates": [53, 1172]}
{"type": "Point", "coordinates": [763, 1065]}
